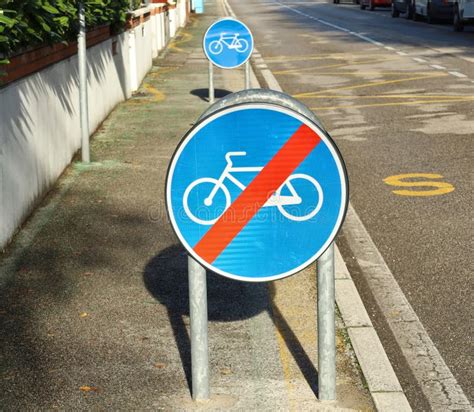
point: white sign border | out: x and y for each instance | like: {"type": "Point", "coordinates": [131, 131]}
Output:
{"type": "Point", "coordinates": [267, 106]}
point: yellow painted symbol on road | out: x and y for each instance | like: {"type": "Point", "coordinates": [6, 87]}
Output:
{"type": "Point", "coordinates": [440, 188]}
{"type": "Point", "coordinates": [157, 95]}
{"type": "Point", "coordinates": [408, 103]}
{"type": "Point", "coordinates": [309, 95]}
{"type": "Point", "coordinates": [333, 66]}
{"type": "Point", "coordinates": [320, 56]}
{"type": "Point", "coordinates": [182, 38]}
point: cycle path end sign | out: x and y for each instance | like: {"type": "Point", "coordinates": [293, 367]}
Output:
{"type": "Point", "coordinates": [256, 192]}
{"type": "Point", "coordinates": [228, 43]}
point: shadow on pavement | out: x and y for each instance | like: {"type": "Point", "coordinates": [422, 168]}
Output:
{"type": "Point", "coordinates": [293, 344]}
{"type": "Point", "coordinates": [166, 278]}
{"type": "Point", "coordinates": [203, 94]}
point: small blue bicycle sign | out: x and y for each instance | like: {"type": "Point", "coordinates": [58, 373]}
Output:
{"type": "Point", "coordinates": [207, 213]}
{"type": "Point", "coordinates": [228, 43]}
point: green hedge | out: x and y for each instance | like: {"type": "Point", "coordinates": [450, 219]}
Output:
{"type": "Point", "coordinates": [25, 23]}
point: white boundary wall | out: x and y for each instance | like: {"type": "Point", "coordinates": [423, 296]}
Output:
{"type": "Point", "coordinates": [182, 8]}
{"type": "Point", "coordinates": [158, 40]}
{"type": "Point", "coordinates": [39, 114]}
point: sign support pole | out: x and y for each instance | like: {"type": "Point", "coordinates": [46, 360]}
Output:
{"type": "Point", "coordinates": [199, 341]}
{"type": "Point", "coordinates": [211, 82]}
{"type": "Point", "coordinates": [247, 75]}
{"type": "Point", "coordinates": [326, 326]}
{"type": "Point", "coordinates": [84, 115]}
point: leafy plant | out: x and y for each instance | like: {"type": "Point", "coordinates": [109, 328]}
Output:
{"type": "Point", "coordinates": [26, 23]}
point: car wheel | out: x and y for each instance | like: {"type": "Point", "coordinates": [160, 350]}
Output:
{"type": "Point", "coordinates": [362, 6]}
{"type": "Point", "coordinates": [457, 22]}
{"type": "Point", "coordinates": [394, 11]}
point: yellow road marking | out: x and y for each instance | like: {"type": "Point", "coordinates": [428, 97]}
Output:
{"type": "Point", "coordinates": [393, 96]}
{"type": "Point", "coordinates": [162, 70]}
{"type": "Point", "coordinates": [157, 95]}
{"type": "Point", "coordinates": [173, 46]}
{"type": "Point", "coordinates": [285, 355]}
{"type": "Point", "coordinates": [333, 66]}
{"type": "Point", "coordinates": [184, 38]}
{"type": "Point", "coordinates": [441, 187]}
{"type": "Point", "coordinates": [296, 336]}
{"type": "Point", "coordinates": [285, 364]}
{"type": "Point", "coordinates": [352, 73]}
{"type": "Point", "coordinates": [309, 95]}
{"type": "Point", "coordinates": [362, 106]}
{"type": "Point", "coordinates": [301, 57]}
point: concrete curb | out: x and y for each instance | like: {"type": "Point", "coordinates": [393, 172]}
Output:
{"type": "Point", "coordinates": [382, 381]}
{"type": "Point", "coordinates": [383, 384]}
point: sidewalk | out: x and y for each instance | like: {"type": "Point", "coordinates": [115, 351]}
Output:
{"type": "Point", "coordinates": [93, 291]}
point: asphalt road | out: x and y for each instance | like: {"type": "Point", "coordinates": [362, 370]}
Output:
{"type": "Point", "coordinates": [398, 98]}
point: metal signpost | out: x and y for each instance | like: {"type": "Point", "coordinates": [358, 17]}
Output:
{"type": "Point", "coordinates": [82, 60]}
{"type": "Point", "coordinates": [228, 43]}
{"type": "Point", "coordinates": [326, 326]}
{"type": "Point", "coordinates": [257, 191]}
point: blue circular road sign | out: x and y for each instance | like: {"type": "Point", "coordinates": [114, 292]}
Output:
{"type": "Point", "coordinates": [228, 43]}
{"type": "Point", "coordinates": [256, 191]}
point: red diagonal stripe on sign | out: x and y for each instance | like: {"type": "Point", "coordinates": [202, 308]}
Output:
{"type": "Point", "coordinates": [244, 208]}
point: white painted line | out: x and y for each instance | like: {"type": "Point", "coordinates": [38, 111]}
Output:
{"type": "Point", "coordinates": [361, 36]}
{"type": "Point", "coordinates": [271, 81]}
{"type": "Point", "coordinates": [436, 381]}
{"type": "Point", "coordinates": [353, 33]}
{"type": "Point", "coordinates": [438, 67]}
{"type": "Point", "coordinates": [457, 74]}
{"type": "Point", "coordinates": [228, 9]}
{"type": "Point", "coordinates": [335, 26]}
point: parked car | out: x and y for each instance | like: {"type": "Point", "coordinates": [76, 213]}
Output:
{"type": "Point", "coordinates": [432, 9]}
{"type": "Point", "coordinates": [401, 6]}
{"type": "Point", "coordinates": [351, 1]}
{"type": "Point", "coordinates": [463, 14]}
{"type": "Point", "coordinates": [372, 4]}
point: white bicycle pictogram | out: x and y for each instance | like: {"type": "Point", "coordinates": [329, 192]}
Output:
{"type": "Point", "coordinates": [231, 41]}
{"type": "Point", "coordinates": [212, 214]}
